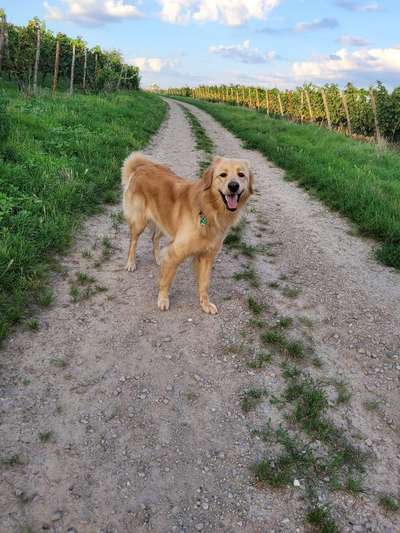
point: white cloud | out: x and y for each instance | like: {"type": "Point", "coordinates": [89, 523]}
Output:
{"type": "Point", "coordinates": [351, 40]}
{"type": "Point", "coordinates": [243, 52]}
{"type": "Point", "coordinates": [352, 5]}
{"type": "Point", "coordinates": [92, 12]}
{"type": "Point", "coordinates": [316, 24]}
{"type": "Point", "coordinates": [372, 62]}
{"type": "Point", "coordinates": [230, 12]}
{"type": "Point", "coordinates": [154, 64]}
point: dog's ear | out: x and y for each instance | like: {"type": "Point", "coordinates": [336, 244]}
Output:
{"type": "Point", "coordinates": [208, 174]}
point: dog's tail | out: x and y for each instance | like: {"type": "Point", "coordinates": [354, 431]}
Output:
{"type": "Point", "coordinates": [131, 163]}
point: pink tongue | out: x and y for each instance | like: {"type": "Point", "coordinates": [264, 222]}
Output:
{"type": "Point", "coordinates": [232, 201]}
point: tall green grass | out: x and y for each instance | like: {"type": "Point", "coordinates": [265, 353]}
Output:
{"type": "Point", "coordinates": [360, 180]}
{"type": "Point", "coordinates": [61, 160]}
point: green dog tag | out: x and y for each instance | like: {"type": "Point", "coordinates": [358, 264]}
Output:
{"type": "Point", "coordinates": [203, 219]}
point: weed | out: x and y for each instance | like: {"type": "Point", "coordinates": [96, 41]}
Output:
{"type": "Point", "coordinates": [84, 279]}
{"type": "Point", "coordinates": [255, 307]}
{"type": "Point", "coordinates": [291, 348]}
{"type": "Point", "coordinates": [251, 398]}
{"type": "Point", "coordinates": [354, 485]}
{"type": "Point", "coordinates": [389, 503]}
{"type": "Point", "coordinates": [33, 324]}
{"type": "Point", "coordinates": [343, 393]}
{"type": "Point", "coordinates": [260, 360]}
{"type": "Point", "coordinates": [12, 460]}
{"type": "Point", "coordinates": [372, 405]}
{"type": "Point", "coordinates": [257, 323]}
{"type": "Point", "coordinates": [290, 292]}
{"type": "Point", "coordinates": [285, 322]}
{"type": "Point", "coordinates": [106, 247]}
{"type": "Point", "coordinates": [45, 297]}
{"type": "Point", "coordinates": [273, 285]}
{"type": "Point", "coordinates": [321, 518]}
{"type": "Point", "coordinates": [117, 219]}
{"type": "Point", "coordinates": [248, 274]}
{"type": "Point", "coordinates": [46, 436]}
{"type": "Point", "coordinates": [26, 382]}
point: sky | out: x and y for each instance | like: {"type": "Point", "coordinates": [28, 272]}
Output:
{"type": "Point", "coordinates": [269, 43]}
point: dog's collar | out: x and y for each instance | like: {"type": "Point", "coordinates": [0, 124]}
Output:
{"type": "Point", "coordinates": [203, 219]}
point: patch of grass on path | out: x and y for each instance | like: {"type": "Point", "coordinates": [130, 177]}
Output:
{"type": "Point", "coordinates": [360, 180]}
{"type": "Point", "coordinates": [203, 141]}
{"type": "Point", "coordinates": [60, 162]}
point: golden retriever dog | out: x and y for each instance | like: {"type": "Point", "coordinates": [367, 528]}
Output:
{"type": "Point", "coordinates": [196, 215]}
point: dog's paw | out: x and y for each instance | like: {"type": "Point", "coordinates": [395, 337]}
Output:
{"type": "Point", "coordinates": [131, 267]}
{"type": "Point", "coordinates": [157, 260]}
{"type": "Point", "coordinates": [163, 303]}
{"type": "Point", "coordinates": [209, 308]}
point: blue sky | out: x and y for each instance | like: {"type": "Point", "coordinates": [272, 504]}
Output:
{"type": "Point", "coordinates": [265, 42]}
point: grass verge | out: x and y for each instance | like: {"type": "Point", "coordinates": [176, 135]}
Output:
{"type": "Point", "coordinates": [360, 180]}
{"type": "Point", "coordinates": [60, 162]}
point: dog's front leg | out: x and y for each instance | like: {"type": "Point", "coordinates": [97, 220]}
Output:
{"type": "Point", "coordinates": [172, 257]}
{"type": "Point", "coordinates": [203, 268]}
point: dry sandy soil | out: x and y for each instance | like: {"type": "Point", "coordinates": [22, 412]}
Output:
{"type": "Point", "coordinates": [127, 419]}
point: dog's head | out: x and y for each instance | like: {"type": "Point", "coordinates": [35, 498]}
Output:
{"type": "Point", "coordinates": [230, 180]}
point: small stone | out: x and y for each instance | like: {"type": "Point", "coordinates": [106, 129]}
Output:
{"type": "Point", "coordinates": [199, 527]}
{"type": "Point", "coordinates": [204, 506]}
{"type": "Point", "coordinates": [296, 483]}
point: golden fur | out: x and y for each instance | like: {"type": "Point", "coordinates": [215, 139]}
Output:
{"type": "Point", "coordinates": [152, 193]}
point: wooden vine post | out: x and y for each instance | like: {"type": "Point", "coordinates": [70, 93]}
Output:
{"type": "Point", "coordinates": [327, 114]}
{"type": "Point", "coordinates": [243, 98]}
{"type": "Point", "coordinates": [280, 103]}
{"type": "Point", "coordinates": [3, 37]}
{"type": "Point", "coordinates": [37, 59]}
{"type": "Point", "coordinates": [250, 100]}
{"type": "Point", "coordinates": [120, 77]}
{"type": "Point", "coordinates": [376, 123]}
{"type": "Point", "coordinates": [309, 106]}
{"type": "Point", "coordinates": [301, 105]}
{"type": "Point", "coordinates": [84, 69]}
{"type": "Point", "coordinates": [346, 110]}
{"type": "Point", "coordinates": [71, 81]}
{"type": "Point", "coordinates": [267, 100]}
{"type": "Point", "coordinates": [257, 100]}
{"type": "Point", "coordinates": [237, 97]}
{"type": "Point", "coordinates": [56, 68]}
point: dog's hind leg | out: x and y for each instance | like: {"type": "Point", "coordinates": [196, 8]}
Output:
{"type": "Point", "coordinates": [156, 245]}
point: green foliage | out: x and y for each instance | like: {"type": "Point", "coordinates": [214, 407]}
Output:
{"type": "Point", "coordinates": [68, 155]}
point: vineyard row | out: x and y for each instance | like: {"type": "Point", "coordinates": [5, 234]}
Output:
{"type": "Point", "coordinates": [33, 56]}
{"type": "Point", "coordinates": [366, 112]}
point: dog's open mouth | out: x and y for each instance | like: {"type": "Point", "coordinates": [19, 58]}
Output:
{"type": "Point", "coordinates": [230, 200]}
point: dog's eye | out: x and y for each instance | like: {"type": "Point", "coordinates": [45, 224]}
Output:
{"type": "Point", "coordinates": [240, 174]}
{"type": "Point", "coordinates": [223, 174]}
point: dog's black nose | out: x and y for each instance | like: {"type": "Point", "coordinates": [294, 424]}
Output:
{"type": "Point", "coordinates": [233, 186]}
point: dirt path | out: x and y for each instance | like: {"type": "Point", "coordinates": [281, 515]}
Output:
{"type": "Point", "coordinates": [126, 419]}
